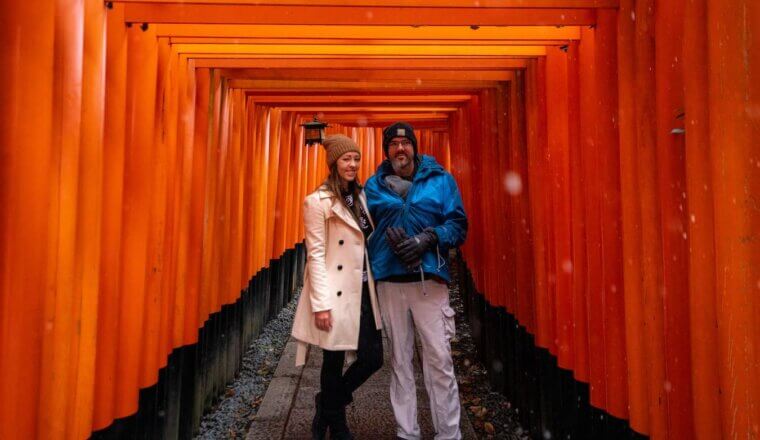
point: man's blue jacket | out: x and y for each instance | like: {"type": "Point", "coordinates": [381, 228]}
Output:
{"type": "Point", "coordinates": [433, 200]}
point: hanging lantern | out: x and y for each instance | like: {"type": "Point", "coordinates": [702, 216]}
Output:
{"type": "Point", "coordinates": [314, 131]}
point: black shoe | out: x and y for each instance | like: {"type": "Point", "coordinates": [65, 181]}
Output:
{"type": "Point", "coordinates": [319, 424]}
{"type": "Point", "coordinates": [338, 424]}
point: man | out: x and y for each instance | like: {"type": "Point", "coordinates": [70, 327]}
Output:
{"type": "Point", "coordinates": [417, 205]}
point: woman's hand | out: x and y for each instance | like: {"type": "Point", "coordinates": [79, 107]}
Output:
{"type": "Point", "coordinates": [323, 320]}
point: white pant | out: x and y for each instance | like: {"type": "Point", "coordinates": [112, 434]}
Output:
{"type": "Point", "coordinates": [400, 303]}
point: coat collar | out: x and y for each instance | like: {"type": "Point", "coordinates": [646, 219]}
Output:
{"type": "Point", "coordinates": [341, 211]}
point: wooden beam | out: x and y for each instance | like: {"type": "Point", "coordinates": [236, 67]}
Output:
{"type": "Point", "coordinates": [468, 63]}
{"type": "Point", "coordinates": [362, 121]}
{"type": "Point", "coordinates": [347, 15]}
{"type": "Point", "coordinates": [363, 42]}
{"type": "Point", "coordinates": [368, 86]}
{"type": "Point", "coordinates": [486, 4]}
{"type": "Point", "coordinates": [367, 75]}
{"type": "Point", "coordinates": [353, 50]}
{"type": "Point", "coordinates": [466, 32]}
{"type": "Point", "coordinates": [347, 110]}
{"type": "Point", "coordinates": [420, 120]}
{"type": "Point", "coordinates": [331, 117]}
{"type": "Point", "coordinates": [435, 125]}
{"type": "Point", "coordinates": [195, 56]}
{"type": "Point", "coordinates": [398, 115]}
{"type": "Point", "coordinates": [317, 98]}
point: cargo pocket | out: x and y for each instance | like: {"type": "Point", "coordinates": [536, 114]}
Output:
{"type": "Point", "coordinates": [449, 326]}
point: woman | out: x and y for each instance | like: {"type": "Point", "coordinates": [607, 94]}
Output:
{"type": "Point", "coordinates": [338, 307]}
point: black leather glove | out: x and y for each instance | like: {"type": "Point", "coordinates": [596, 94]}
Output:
{"type": "Point", "coordinates": [410, 250]}
{"type": "Point", "coordinates": [395, 236]}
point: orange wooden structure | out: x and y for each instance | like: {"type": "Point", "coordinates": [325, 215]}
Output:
{"type": "Point", "coordinates": [152, 169]}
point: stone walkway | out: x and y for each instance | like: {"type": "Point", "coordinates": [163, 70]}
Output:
{"type": "Point", "coordinates": [288, 406]}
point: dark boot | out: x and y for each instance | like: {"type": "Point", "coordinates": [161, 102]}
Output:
{"type": "Point", "coordinates": [338, 425]}
{"type": "Point", "coordinates": [320, 423]}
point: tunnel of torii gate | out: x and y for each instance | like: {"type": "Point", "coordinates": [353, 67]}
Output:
{"type": "Point", "coordinates": [153, 167]}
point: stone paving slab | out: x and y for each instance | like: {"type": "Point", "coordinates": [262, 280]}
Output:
{"type": "Point", "coordinates": [288, 406]}
{"type": "Point", "coordinates": [271, 419]}
{"type": "Point", "coordinates": [286, 366]}
{"type": "Point", "coordinates": [278, 399]}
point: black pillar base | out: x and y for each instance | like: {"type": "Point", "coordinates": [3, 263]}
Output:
{"type": "Point", "coordinates": [195, 375]}
{"type": "Point", "coordinates": [550, 403]}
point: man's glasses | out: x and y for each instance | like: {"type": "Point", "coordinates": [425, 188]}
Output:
{"type": "Point", "coordinates": [405, 144]}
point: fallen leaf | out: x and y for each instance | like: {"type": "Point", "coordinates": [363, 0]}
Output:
{"type": "Point", "coordinates": [489, 428]}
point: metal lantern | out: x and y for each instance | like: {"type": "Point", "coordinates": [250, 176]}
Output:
{"type": "Point", "coordinates": [314, 131]}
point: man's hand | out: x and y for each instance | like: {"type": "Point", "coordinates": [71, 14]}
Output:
{"type": "Point", "coordinates": [395, 236]}
{"type": "Point", "coordinates": [323, 320]}
{"type": "Point", "coordinates": [411, 250]}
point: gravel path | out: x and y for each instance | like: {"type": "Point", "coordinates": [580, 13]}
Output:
{"type": "Point", "coordinates": [491, 413]}
{"type": "Point", "coordinates": [232, 415]}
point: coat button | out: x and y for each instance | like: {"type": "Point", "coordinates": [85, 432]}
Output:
{"type": "Point", "coordinates": [340, 267]}
{"type": "Point", "coordinates": [340, 292]}
{"type": "Point", "coordinates": [340, 242]}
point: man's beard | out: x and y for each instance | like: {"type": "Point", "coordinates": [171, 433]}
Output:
{"type": "Point", "coordinates": [399, 168]}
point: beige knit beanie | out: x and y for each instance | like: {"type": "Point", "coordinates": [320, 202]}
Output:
{"type": "Point", "coordinates": [336, 145]}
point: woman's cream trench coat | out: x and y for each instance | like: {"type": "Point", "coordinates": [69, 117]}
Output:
{"type": "Point", "coordinates": [335, 256]}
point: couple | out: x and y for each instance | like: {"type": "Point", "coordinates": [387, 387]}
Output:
{"type": "Point", "coordinates": [396, 231]}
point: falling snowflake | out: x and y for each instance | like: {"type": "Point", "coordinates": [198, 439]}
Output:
{"type": "Point", "coordinates": [513, 183]}
{"type": "Point", "coordinates": [567, 266]}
